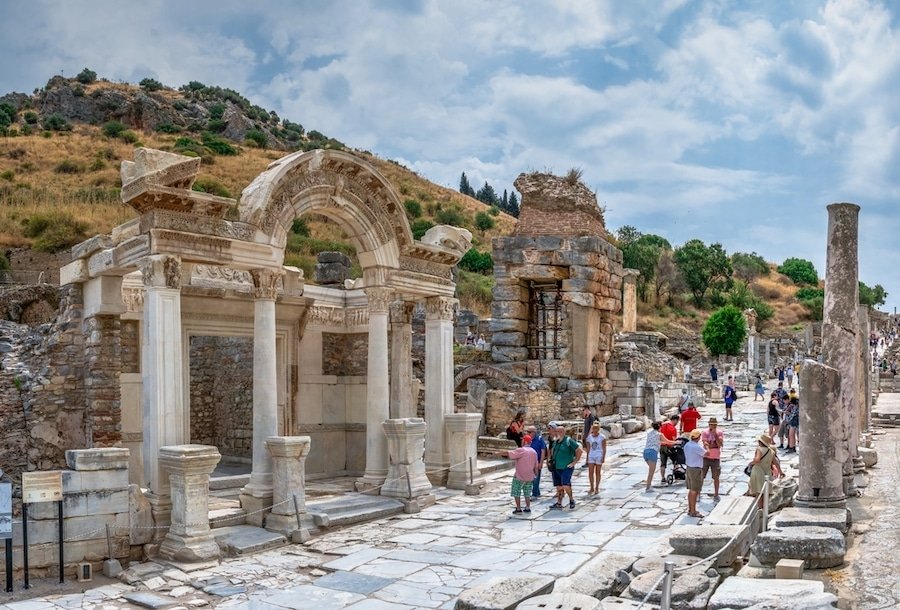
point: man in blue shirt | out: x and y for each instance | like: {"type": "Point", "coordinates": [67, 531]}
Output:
{"type": "Point", "coordinates": [540, 447]}
{"type": "Point", "coordinates": [693, 460]}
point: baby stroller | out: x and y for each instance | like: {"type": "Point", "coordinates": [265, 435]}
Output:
{"type": "Point", "coordinates": [676, 456]}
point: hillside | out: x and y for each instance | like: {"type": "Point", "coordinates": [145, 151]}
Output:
{"type": "Point", "coordinates": [59, 166]}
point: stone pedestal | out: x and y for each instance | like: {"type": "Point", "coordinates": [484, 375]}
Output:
{"type": "Point", "coordinates": [438, 383]}
{"type": "Point", "coordinates": [822, 455]}
{"type": "Point", "coordinates": [629, 300]}
{"type": "Point", "coordinates": [406, 447]}
{"type": "Point", "coordinates": [289, 483]}
{"type": "Point", "coordinates": [377, 391]}
{"type": "Point", "coordinates": [840, 324]}
{"type": "Point", "coordinates": [462, 430]}
{"type": "Point", "coordinates": [189, 538]}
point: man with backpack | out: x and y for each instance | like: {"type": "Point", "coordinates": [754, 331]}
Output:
{"type": "Point", "coordinates": [730, 395]}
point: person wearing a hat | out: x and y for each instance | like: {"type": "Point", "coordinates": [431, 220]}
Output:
{"type": "Point", "coordinates": [693, 461]}
{"type": "Point", "coordinates": [764, 462]}
{"type": "Point", "coordinates": [712, 439]}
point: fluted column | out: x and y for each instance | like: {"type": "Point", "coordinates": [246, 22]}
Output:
{"type": "Point", "coordinates": [402, 405]}
{"type": "Point", "coordinates": [257, 494]}
{"type": "Point", "coordinates": [629, 300]}
{"type": "Point", "coordinates": [439, 313]}
{"type": "Point", "coordinates": [840, 324]}
{"type": "Point", "coordinates": [378, 393]}
{"type": "Point", "coordinates": [161, 372]}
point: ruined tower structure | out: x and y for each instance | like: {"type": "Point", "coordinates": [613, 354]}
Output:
{"type": "Point", "coordinates": [557, 295]}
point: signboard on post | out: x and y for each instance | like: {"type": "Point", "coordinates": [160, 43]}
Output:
{"type": "Point", "coordinates": [5, 511]}
{"type": "Point", "coordinates": [42, 487]}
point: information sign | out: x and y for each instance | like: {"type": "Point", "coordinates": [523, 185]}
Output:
{"type": "Point", "coordinates": [5, 510]}
{"type": "Point", "coordinates": [42, 487]}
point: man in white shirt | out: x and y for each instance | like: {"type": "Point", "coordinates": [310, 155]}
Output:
{"type": "Point", "coordinates": [693, 460]}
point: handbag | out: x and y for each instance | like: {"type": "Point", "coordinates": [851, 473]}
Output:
{"type": "Point", "coordinates": [748, 469]}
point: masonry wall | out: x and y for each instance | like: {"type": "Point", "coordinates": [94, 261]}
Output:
{"type": "Point", "coordinates": [222, 394]}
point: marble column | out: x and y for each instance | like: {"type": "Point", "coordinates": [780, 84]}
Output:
{"type": "Point", "coordinates": [822, 456]}
{"type": "Point", "coordinates": [768, 357]}
{"type": "Point", "coordinates": [162, 398]}
{"type": "Point", "coordinates": [841, 323]}
{"type": "Point", "coordinates": [402, 404]}
{"type": "Point", "coordinates": [406, 447]}
{"type": "Point", "coordinates": [629, 300]}
{"type": "Point", "coordinates": [189, 538]}
{"type": "Point", "coordinates": [439, 313]}
{"type": "Point", "coordinates": [289, 482]}
{"type": "Point", "coordinates": [378, 394]}
{"type": "Point", "coordinates": [462, 430]}
{"type": "Point", "coordinates": [257, 493]}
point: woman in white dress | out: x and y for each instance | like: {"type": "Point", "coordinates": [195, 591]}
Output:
{"type": "Point", "coordinates": [596, 443]}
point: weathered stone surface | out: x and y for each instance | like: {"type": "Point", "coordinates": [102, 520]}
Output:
{"type": "Point", "coordinates": [837, 518]}
{"type": "Point", "coordinates": [706, 540]}
{"type": "Point", "coordinates": [111, 458]}
{"type": "Point", "coordinates": [868, 455]}
{"type": "Point", "coordinates": [632, 425]}
{"type": "Point", "coordinates": [597, 577]}
{"type": "Point", "coordinates": [503, 593]}
{"type": "Point", "coordinates": [823, 453]}
{"type": "Point", "coordinates": [657, 563]}
{"type": "Point", "coordinates": [499, 339]}
{"type": "Point", "coordinates": [616, 431]}
{"type": "Point", "coordinates": [685, 586]}
{"type": "Point", "coordinates": [738, 592]}
{"type": "Point", "coordinates": [561, 601]}
{"type": "Point", "coordinates": [821, 547]}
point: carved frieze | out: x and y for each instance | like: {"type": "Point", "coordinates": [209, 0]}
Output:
{"type": "Point", "coordinates": [189, 223]}
{"type": "Point", "coordinates": [133, 299]}
{"type": "Point", "coordinates": [440, 308]}
{"type": "Point", "coordinates": [161, 271]}
{"type": "Point", "coordinates": [265, 283]}
{"type": "Point", "coordinates": [322, 315]}
{"type": "Point", "coordinates": [379, 299]}
{"type": "Point", "coordinates": [418, 265]}
{"type": "Point", "coordinates": [221, 274]}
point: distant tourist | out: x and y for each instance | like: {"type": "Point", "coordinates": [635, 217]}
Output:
{"type": "Point", "coordinates": [714, 373]}
{"type": "Point", "coordinates": [792, 415]}
{"type": "Point", "coordinates": [526, 469]}
{"type": "Point", "coordinates": [712, 439]}
{"type": "Point", "coordinates": [596, 450]}
{"type": "Point", "coordinates": [689, 418]}
{"type": "Point", "coordinates": [693, 461]}
{"type": "Point", "coordinates": [516, 429]}
{"type": "Point", "coordinates": [589, 420]}
{"type": "Point", "coordinates": [470, 338]}
{"type": "Point", "coordinates": [774, 416]}
{"type": "Point", "coordinates": [789, 373]}
{"type": "Point", "coordinates": [669, 431]}
{"type": "Point", "coordinates": [655, 440]}
{"type": "Point", "coordinates": [540, 448]}
{"type": "Point", "coordinates": [684, 400]}
{"type": "Point", "coordinates": [760, 389]}
{"type": "Point", "coordinates": [781, 374]}
{"type": "Point", "coordinates": [566, 453]}
{"type": "Point", "coordinates": [730, 395]}
{"type": "Point", "coordinates": [480, 343]}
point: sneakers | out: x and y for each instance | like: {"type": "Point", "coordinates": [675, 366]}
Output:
{"type": "Point", "coordinates": [572, 504]}
{"type": "Point", "coordinates": [556, 506]}
{"type": "Point", "coordinates": [716, 498]}
{"type": "Point", "coordinates": [526, 510]}
{"type": "Point", "coordinates": [517, 511]}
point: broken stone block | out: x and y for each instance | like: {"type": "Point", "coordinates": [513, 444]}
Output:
{"type": "Point", "coordinates": [869, 456]}
{"type": "Point", "coordinates": [616, 431]}
{"type": "Point", "coordinates": [821, 547]}
{"type": "Point", "coordinates": [503, 592]}
{"type": "Point", "coordinates": [838, 518]}
{"type": "Point", "coordinates": [686, 586]}
{"type": "Point", "coordinates": [562, 601]}
{"type": "Point", "coordinates": [632, 425]}
{"type": "Point", "coordinates": [706, 540]}
{"type": "Point", "coordinates": [597, 577]}
{"type": "Point", "coordinates": [738, 592]}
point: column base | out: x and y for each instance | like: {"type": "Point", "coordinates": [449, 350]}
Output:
{"type": "Point", "coordinates": [414, 506]}
{"type": "Point", "coordinates": [189, 549]}
{"type": "Point", "coordinates": [459, 479]}
{"type": "Point", "coordinates": [858, 465]}
{"type": "Point", "coordinates": [437, 473]}
{"type": "Point", "coordinates": [161, 512]}
{"type": "Point", "coordinates": [370, 483]}
{"type": "Point", "coordinates": [256, 507]}
{"type": "Point", "coordinates": [820, 502]}
{"type": "Point", "coordinates": [287, 525]}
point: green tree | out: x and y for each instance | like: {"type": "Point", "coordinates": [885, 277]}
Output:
{"type": "Point", "coordinates": [725, 331]}
{"type": "Point", "coordinates": [513, 205]}
{"type": "Point", "coordinates": [643, 254]}
{"type": "Point", "coordinates": [800, 271]}
{"type": "Point", "coordinates": [477, 262]}
{"type": "Point", "coordinates": [627, 235]}
{"type": "Point", "coordinates": [413, 208]}
{"type": "Point", "coordinates": [748, 267]}
{"type": "Point", "coordinates": [112, 129]}
{"type": "Point", "coordinates": [86, 76]}
{"type": "Point", "coordinates": [488, 195]}
{"type": "Point", "coordinates": [150, 84]}
{"type": "Point", "coordinates": [464, 187]}
{"type": "Point", "coordinates": [873, 296]}
{"type": "Point", "coordinates": [703, 268]}
{"type": "Point", "coordinates": [484, 221]}
{"type": "Point", "coordinates": [742, 297]}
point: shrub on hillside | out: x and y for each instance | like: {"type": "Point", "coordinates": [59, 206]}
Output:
{"type": "Point", "coordinates": [806, 293]}
{"type": "Point", "coordinates": [213, 187]}
{"type": "Point", "coordinates": [55, 231]}
{"type": "Point", "coordinates": [748, 267]}
{"type": "Point", "coordinates": [413, 208]}
{"type": "Point", "coordinates": [150, 84]}
{"type": "Point", "coordinates": [450, 216]}
{"type": "Point", "coordinates": [475, 291]}
{"type": "Point", "coordinates": [420, 227]}
{"type": "Point", "coordinates": [725, 331]}
{"type": "Point", "coordinates": [258, 137]}
{"type": "Point", "coordinates": [129, 136]}
{"type": "Point", "coordinates": [477, 262]}
{"type": "Point", "coordinates": [31, 117]}
{"type": "Point", "coordinates": [218, 145]}
{"type": "Point", "coordinates": [801, 271]}
{"type": "Point", "coordinates": [86, 76]}
{"type": "Point", "coordinates": [112, 129]}
{"type": "Point", "coordinates": [300, 227]}
{"type": "Point", "coordinates": [168, 128]}
{"type": "Point", "coordinates": [67, 166]}
{"type": "Point", "coordinates": [9, 175]}
{"type": "Point", "coordinates": [56, 122]}
{"type": "Point", "coordinates": [484, 221]}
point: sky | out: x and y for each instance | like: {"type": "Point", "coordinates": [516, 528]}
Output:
{"type": "Point", "coordinates": [731, 122]}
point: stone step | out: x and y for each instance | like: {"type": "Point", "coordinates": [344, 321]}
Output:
{"type": "Point", "coordinates": [245, 539]}
{"type": "Point", "coordinates": [228, 482]}
{"type": "Point", "coordinates": [731, 510]}
{"type": "Point", "coordinates": [352, 508]}
{"type": "Point", "coordinates": [226, 517]}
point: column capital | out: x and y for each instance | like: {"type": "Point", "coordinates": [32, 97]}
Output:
{"type": "Point", "coordinates": [288, 446]}
{"type": "Point", "coordinates": [379, 299]}
{"type": "Point", "coordinates": [440, 308]}
{"type": "Point", "coordinates": [265, 283]}
{"type": "Point", "coordinates": [402, 312]}
{"type": "Point", "coordinates": [161, 271]}
{"type": "Point", "coordinates": [630, 275]}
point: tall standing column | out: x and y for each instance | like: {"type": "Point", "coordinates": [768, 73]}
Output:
{"type": "Point", "coordinates": [401, 361]}
{"type": "Point", "coordinates": [161, 374]}
{"type": "Point", "coordinates": [257, 494]}
{"type": "Point", "coordinates": [378, 394]}
{"type": "Point", "coordinates": [865, 390]}
{"type": "Point", "coordinates": [629, 300]}
{"type": "Point", "coordinates": [841, 323]}
{"type": "Point", "coordinates": [438, 384]}
{"type": "Point", "coordinates": [822, 458]}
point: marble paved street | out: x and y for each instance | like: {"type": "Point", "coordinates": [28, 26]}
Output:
{"type": "Point", "coordinates": [426, 560]}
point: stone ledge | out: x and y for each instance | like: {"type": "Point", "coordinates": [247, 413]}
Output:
{"type": "Point", "coordinates": [821, 547]}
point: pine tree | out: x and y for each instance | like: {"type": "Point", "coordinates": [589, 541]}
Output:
{"type": "Point", "coordinates": [512, 206]}
{"type": "Point", "coordinates": [488, 195]}
{"type": "Point", "coordinates": [464, 187]}
{"type": "Point", "coordinates": [504, 203]}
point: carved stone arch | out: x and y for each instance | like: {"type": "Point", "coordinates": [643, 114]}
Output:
{"type": "Point", "coordinates": [337, 185]}
{"type": "Point", "coordinates": [482, 370]}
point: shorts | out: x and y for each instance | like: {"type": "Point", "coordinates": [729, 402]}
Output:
{"type": "Point", "coordinates": [520, 488]}
{"type": "Point", "coordinates": [595, 459]}
{"type": "Point", "coordinates": [650, 455]}
{"type": "Point", "coordinates": [714, 465]}
{"type": "Point", "coordinates": [774, 420]}
{"type": "Point", "coordinates": [693, 480]}
{"type": "Point", "coordinates": [563, 477]}
{"type": "Point", "coordinates": [728, 404]}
